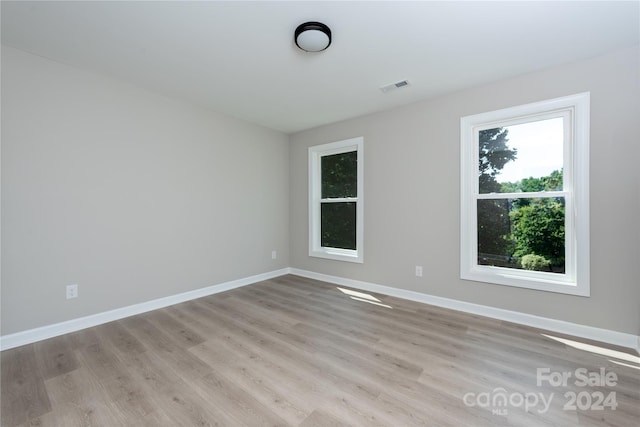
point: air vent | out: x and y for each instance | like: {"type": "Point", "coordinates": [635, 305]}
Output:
{"type": "Point", "coordinates": [394, 86]}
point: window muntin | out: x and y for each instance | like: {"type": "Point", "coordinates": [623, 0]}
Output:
{"type": "Point", "coordinates": [520, 202]}
{"type": "Point", "coordinates": [335, 200]}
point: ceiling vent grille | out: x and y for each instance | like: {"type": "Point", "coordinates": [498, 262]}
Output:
{"type": "Point", "coordinates": [394, 86]}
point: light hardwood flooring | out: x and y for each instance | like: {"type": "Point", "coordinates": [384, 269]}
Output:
{"type": "Point", "coordinates": [297, 352]}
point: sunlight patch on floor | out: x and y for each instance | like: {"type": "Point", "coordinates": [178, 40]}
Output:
{"type": "Point", "coordinates": [596, 349]}
{"type": "Point", "coordinates": [361, 296]}
{"type": "Point", "coordinates": [625, 364]}
{"type": "Point", "coordinates": [371, 302]}
{"type": "Point", "coordinates": [358, 294]}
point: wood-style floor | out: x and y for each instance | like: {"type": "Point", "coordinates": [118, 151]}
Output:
{"type": "Point", "coordinates": [297, 352]}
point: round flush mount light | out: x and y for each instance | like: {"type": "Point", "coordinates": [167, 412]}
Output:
{"type": "Point", "coordinates": [313, 36]}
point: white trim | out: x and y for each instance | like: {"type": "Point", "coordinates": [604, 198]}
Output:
{"type": "Point", "coordinates": [589, 332]}
{"type": "Point", "coordinates": [575, 109]}
{"type": "Point", "coordinates": [560, 326]}
{"type": "Point", "coordinates": [38, 334]}
{"type": "Point", "coordinates": [316, 153]}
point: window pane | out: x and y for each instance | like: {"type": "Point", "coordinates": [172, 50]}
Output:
{"type": "Point", "coordinates": [338, 225]}
{"type": "Point", "coordinates": [522, 233]}
{"type": "Point", "coordinates": [521, 158]}
{"type": "Point", "coordinates": [340, 175]}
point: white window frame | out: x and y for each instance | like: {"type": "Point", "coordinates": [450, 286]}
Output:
{"type": "Point", "coordinates": [315, 192]}
{"type": "Point", "coordinates": [575, 281]}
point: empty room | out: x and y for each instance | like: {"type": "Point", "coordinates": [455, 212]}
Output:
{"type": "Point", "coordinates": [330, 213]}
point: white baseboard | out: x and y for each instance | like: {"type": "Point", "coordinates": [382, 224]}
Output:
{"type": "Point", "coordinates": [589, 332]}
{"type": "Point", "coordinates": [582, 331]}
{"type": "Point", "coordinates": [50, 331]}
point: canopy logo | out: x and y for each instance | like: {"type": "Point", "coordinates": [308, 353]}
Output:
{"type": "Point", "coordinates": [498, 400]}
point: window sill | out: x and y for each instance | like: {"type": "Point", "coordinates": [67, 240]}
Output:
{"type": "Point", "coordinates": [338, 254]}
{"type": "Point", "coordinates": [540, 281]}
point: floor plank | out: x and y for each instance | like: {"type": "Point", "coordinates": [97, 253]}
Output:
{"type": "Point", "coordinates": [23, 392]}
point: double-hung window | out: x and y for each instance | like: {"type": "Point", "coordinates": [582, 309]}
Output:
{"type": "Point", "coordinates": [336, 200]}
{"type": "Point", "coordinates": [525, 196]}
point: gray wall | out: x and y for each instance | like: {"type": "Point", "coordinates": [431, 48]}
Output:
{"type": "Point", "coordinates": [135, 196]}
{"type": "Point", "coordinates": [129, 194]}
{"type": "Point", "coordinates": [412, 168]}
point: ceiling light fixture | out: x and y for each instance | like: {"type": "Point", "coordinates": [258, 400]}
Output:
{"type": "Point", "coordinates": [313, 36]}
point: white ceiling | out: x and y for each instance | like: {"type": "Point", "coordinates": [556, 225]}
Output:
{"type": "Point", "coordinates": [239, 57]}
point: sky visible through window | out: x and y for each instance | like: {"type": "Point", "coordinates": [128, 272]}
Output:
{"type": "Point", "coordinates": [540, 150]}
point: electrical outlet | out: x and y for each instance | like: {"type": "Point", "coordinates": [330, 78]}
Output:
{"type": "Point", "coordinates": [72, 291]}
{"type": "Point", "coordinates": [274, 254]}
{"type": "Point", "coordinates": [418, 271]}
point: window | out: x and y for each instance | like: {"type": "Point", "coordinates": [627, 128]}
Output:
{"type": "Point", "coordinates": [335, 200]}
{"type": "Point", "coordinates": [525, 196]}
